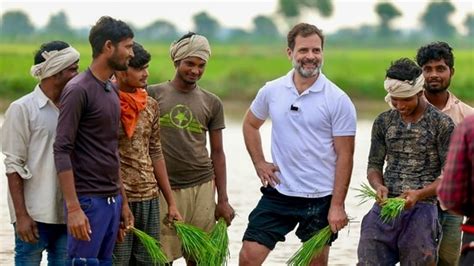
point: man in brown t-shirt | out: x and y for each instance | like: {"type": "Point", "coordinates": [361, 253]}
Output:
{"type": "Point", "coordinates": [187, 113]}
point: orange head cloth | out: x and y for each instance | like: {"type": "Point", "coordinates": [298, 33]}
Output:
{"type": "Point", "coordinates": [131, 103]}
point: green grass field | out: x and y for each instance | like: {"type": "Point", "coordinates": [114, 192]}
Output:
{"type": "Point", "coordinates": [236, 72]}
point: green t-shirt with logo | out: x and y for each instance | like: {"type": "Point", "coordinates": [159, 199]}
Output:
{"type": "Point", "coordinates": [185, 119]}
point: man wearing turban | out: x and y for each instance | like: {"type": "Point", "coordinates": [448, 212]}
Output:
{"type": "Point", "coordinates": [412, 141]}
{"type": "Point", "coordinates": [35, 200]}
{"type": "Point", "coordinates": [188, 113]}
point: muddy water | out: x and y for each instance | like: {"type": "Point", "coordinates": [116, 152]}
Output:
{"type": "Point", "coordinates": [243, 190]}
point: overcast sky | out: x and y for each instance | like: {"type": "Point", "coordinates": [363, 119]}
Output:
{"type": "Point", "coordinates": [229, 13]}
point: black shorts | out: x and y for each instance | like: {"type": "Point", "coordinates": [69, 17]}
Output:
{"type": "Point", "coordinates": [276, 215]}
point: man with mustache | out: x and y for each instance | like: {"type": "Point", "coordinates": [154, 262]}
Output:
{"type": "Point", "coordinates": [313, 129]}
{"type": "Point", "coordinates": [86, 148]}
{"type": "Point", "coordinates": [190, 114]}
{"type": "Point", "coordinates": [437, 63]}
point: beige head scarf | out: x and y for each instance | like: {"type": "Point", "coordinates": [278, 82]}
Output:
{"type": "Point", "coordinates": [196, 45]}
{"type": "Point", "coordinates": [402, 89]}
{"type": "Point", "coordinates": [55, 61]}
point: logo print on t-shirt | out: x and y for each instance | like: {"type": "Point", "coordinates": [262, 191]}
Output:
{"type": "Point", "coordinates": [182, 117]}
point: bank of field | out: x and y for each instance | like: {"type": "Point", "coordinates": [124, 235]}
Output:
{"type": "Point", "coordinates": [236, 72]}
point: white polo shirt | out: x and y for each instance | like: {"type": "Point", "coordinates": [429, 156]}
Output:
{"type": "Point", "coordinates": [302, 139]}
{"type": "Point", "coordinates": [28, 134]}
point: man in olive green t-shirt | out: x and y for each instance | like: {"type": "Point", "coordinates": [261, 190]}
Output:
{"type": "Point", "coordinates": [187, 113]}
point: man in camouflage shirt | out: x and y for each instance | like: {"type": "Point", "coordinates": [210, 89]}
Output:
{"type": "Point", "coordinates": [412, 139]}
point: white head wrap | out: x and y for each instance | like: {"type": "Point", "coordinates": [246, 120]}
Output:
{"type": "Point", "coordinates": [196, 45]}
{"type": "Point", "coordinates": [402, 89]}
{"type": "Point", "coordinates": [55, 61]}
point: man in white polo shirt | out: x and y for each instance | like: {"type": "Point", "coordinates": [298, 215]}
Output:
{"type": "Point", "coordinates": [313, 129]}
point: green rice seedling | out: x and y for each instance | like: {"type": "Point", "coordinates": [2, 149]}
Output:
{"type": "Point", "coordinates": [311, 248]}
{"type": "Point", "coordinates": [220, 239]}
{"type": "Point", "coordinates": [391, 207]}
{"type": "Point", "coordinates": [366, 193]}
{"type": "Point", "coordinates": [196, 243]}
{"type": "Point", "coordinates": [151, 245]}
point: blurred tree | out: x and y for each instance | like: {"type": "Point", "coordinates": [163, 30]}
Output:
{"type": "Point", "coordinates": [16, 23]}
{"type": "Point", "coordinates": [291, 9]}
{"type": "Point", "coordinates": [206, 25]}
{"type": "Point", "coordinates": [58, 25]}
{"type": "Point", "coordinates": [324, 7]}
{"type": "Point", "coordinates": [435, 19]}
{"type": "Point", "coordinates": [265, 28]}
{"type": "Point", "coordinates": [469, 24]}
{"type": "Point", "coordinates": [159, 30]}
{"type": "Point", "coordinates": [130, 24]}
{"type": "Point", "coordinates": [236, 35]}
{"type": "Point", "coordinates": [387, 13]}
{"type": "Point", "coordinates": [363, 34]}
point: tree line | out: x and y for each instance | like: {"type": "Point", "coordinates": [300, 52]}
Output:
{"type": "Point", "coordinates": [434, 21]}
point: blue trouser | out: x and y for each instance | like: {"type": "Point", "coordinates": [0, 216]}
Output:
{"type": "Point", "coordinates": [52, 238]}
{"type": "Point", "coordinates": [104, 218]}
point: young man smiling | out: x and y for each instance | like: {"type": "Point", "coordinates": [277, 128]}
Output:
{"type": "Point", "coordinates": [412, 140]}
{"type": "Point", "coordinates": [188, 114]}
{"type": "Point", "coordinates": [142, 166]}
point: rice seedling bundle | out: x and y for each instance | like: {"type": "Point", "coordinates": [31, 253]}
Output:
{"type": "Point", "coordinates": [151, 245]}
{"type": "Point", "coordinates": [196, 243]}
{"type": "Point", "coordinates": [391, 207]}
{"type": "Point", "coordinates": [366, 193]}
{"type": "Point", "coordinates": [220, 239]}
{"type": "Point", "coordinates": [311, 248]}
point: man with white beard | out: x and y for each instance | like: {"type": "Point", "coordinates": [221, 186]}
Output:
{"type": "Point", "coordinates": [313, 129]}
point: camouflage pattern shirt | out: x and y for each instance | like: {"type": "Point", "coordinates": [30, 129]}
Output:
{"type": "Point", "coordinates": [414, 153]}
{"type": "Point", "coordinates": [138, 153]}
